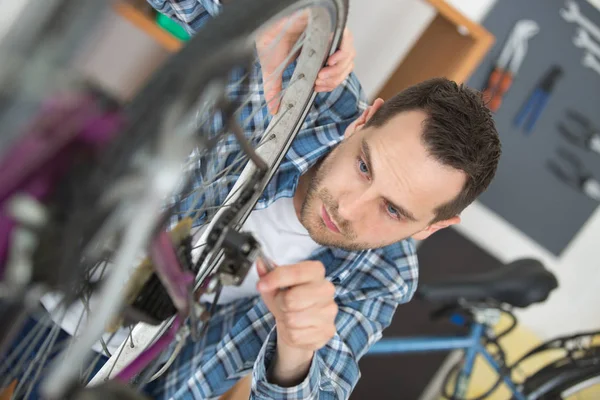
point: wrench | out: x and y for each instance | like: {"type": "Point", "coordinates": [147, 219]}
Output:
{"type": "Point", "coordinates": [583, 40]}
{"type": "Point", "coordinates": [591, 62]}
{"type": "Point", "coordinates": [573, 14]}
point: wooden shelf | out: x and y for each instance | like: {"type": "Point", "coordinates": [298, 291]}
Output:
{"type": "Point", "coordinates": [145, 23]}
{"type": "Point", "coordinates": [452, 46]}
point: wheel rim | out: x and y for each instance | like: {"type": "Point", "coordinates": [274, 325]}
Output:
{"type": "Point", "coordinates": [587, 389]}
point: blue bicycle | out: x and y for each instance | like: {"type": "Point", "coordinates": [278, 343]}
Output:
{"type": "Point", "coordinates": [477, 302]}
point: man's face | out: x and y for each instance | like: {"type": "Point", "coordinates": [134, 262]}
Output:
{"type": "Point", "coordinates": [379, 186]}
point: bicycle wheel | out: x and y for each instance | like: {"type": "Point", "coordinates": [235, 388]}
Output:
{"type": "Point", "coordinates": [214, 78]}
{"type": "Point", "coordinates": [576, 377]}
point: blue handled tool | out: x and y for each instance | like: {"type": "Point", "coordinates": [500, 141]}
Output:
{"type": "Point", "coordinates": [535, 104]}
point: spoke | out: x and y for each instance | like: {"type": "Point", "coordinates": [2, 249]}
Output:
{"type": "Point", "coordinates": [278, 97]}
{"type": "Point", "coordinates": [86, 305]}
{"type": "Point", "coordinates": [37, 331]}
{"type": "Point", "coordinates": [227, 170]}
{"type": "Point", "coordinates": [90, 370]}
{"type": "Point", "coordinates": [268, 52]}
{"type": "Point", "coordinates": [40, 356]}
{"type": "Point", "coordinates": [105, 347]}
{"type": "Point", "coordinates": [55, 331]}
{"type": "Point", "coordinates": [115, 363]}
{"type": "Point", "coordinates": [289, 57]}
{"type": "Point", "coordinates": [92, 270]}
{"type": "Point", "coordinates": [198, 191]}
{"type": "Point", "coordinates": [289, 22]}
{"type": "Point", "coordinates": [131, 336]}
{"type": "Point", "coordinates": [199, 246]}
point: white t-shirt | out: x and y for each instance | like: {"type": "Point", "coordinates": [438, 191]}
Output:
{"type": "Point", "coordinates": [281, 235]}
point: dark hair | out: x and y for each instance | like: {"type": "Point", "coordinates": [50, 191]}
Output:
{"type": "Point", "coordinates": [459, 132]}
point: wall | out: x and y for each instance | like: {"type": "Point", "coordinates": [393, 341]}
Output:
{"type": "Point", "coordinates": [394, 26]}
{"type": "Point", "coordinates": [385, 30]}
{"type": "Point", "coordinates": [119, 57]}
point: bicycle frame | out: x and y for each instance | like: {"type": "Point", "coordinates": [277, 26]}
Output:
{"type": "Point", "coordinates": [471, 344]}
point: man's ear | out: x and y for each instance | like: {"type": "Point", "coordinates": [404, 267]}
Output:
{"type": "Point", "coordinates": [362, 120]}
{"type": "Point", "coordinates": [433, 228]}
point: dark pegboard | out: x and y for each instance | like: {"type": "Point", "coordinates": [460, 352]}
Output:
{"type": "Point", "coordinates": [524, 192]}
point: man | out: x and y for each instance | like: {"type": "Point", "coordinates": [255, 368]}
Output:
{"type": "Point", "coordinates": [339, 217]}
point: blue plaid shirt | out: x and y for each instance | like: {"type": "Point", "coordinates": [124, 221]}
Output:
{"type": "Point", "coordinates": [369, 284]}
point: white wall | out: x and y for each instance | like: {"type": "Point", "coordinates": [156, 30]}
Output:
{"type": "Point", "coordinates": [383, 35]}
{"type": "Point", "coordinates": [385, 30]}
{"type": "Point", "coordinates": [119, 57]}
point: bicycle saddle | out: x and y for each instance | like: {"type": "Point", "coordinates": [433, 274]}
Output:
{"type": "Point", "coordinates": [520, 284]}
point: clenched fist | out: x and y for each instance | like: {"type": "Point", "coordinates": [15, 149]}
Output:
{"type": "Point", "coordinates": [302, 301]}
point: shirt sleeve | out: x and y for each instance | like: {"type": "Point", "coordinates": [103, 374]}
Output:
{"type": "Point", "coordinates": [334, 368]}
{"type": "Point", "coordinates": [192, 15]}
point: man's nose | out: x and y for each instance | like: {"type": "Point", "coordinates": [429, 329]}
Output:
{"type": "Point", "coordinates": [354, 207]}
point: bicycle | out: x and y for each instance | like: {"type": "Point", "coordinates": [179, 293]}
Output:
{"type": "Point", "coordinates": [88, 197]}
{"type": "Point", "coordinates": [476, 303]}
{"type": "Point", "coordinates": [90, 186]}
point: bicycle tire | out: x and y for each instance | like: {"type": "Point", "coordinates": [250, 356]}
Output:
{"type": "Point", "coordinates": [554, 380]}
{"type": "Point", "coordinates": [236, 22]}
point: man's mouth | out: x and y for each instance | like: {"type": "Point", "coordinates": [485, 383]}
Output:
{"type": "Point", "coordinates": [328, 221]}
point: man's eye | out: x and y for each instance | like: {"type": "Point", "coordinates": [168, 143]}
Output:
{"type": "Point", "coordinates": [392, 211]}
{"type": "Point", "coordinates": [363, 167]}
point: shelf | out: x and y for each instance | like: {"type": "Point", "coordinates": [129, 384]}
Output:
{"type": "Point", "coordinates": [145, 23]}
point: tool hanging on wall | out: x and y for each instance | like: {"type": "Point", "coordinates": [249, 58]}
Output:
{"type": "Point", "coordinates": [509, 62]}
{"type": "Point", "coordinates": [591, 62]}
{"type": "Point", "coordinates": [536, 102]}
{"type": "Point", "coordinates": [570, 170]}
{"type": "Point", "coordinates": [580, 131]}
{"type": "Point", "coordinates": [572, 13]}
{"type": "Point", "coordinates": [584, 41]}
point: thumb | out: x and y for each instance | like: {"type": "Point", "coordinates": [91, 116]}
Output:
{"type": "Point", "coordinates": [261, 267]}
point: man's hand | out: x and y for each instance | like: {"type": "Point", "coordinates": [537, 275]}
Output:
{"type": "Point", "coordinates": [274, 46]}
{"type": "Point", "coordinates": [302, 302]}
{"type": "Point", "coordinates": [339, 65]}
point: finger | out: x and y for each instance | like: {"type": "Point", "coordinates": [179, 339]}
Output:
{"type": "Point", "coordinates": [347, 42]}
{"type": "Point", "coordinates": [292, 275]}
{"type": "Point", "coordinates": [314, 316]}
{"type": "Point", "coordinates": [272, 86]}
{"type": "Point", "coordinates": [261, 266]}
{"type": "Point", "coordinates": [327, 73]}
{"type": "Point", "coordinates": [339, 56]}
{"type": "Point", "coordinates": [312, 338]}
{"type": "Point", "coordinates": [306, 296]}
{"type": "Point", "coordinates": [336, 79]}
{"type": "Point", "coordinates": [272, 98]}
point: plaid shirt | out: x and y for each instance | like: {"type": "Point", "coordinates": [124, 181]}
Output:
{"type": "Point", "coordinates": [369, 284]}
